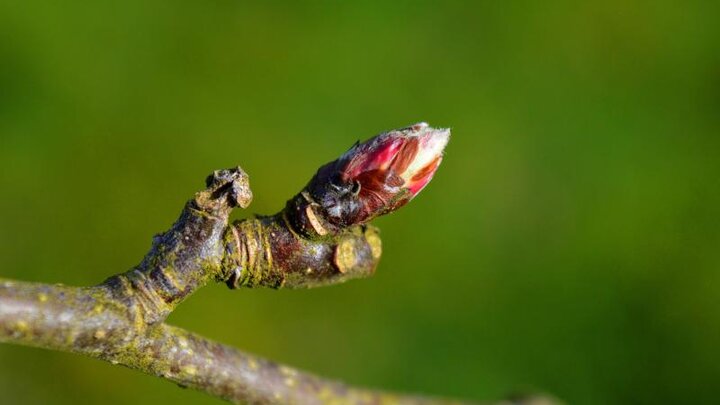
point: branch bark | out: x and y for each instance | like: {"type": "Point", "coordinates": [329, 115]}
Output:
{"type": "Point", "coordinates": [90, 321]}
{"type": "Point", "coordinates": [320, 238]}
{"type": "Point", "coordinates": [121, 320]}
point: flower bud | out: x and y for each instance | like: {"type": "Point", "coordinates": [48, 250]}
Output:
{"type": "Point", "coordinates": [375, 177]}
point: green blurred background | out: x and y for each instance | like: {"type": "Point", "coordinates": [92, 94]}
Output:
{"type": "Point", "coordinates": [570, 242]}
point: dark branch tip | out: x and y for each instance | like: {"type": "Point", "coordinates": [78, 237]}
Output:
{"type": "Point", "coordinates": [233, 183]}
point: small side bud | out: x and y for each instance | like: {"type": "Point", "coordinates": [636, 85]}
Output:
{"type": "Point", "coordinates": [232, 183]}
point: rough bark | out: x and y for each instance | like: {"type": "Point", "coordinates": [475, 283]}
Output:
{"type": "Point", "coordinates": [92, 322]}
{"type": "Point", "coordinates": [122, 319]}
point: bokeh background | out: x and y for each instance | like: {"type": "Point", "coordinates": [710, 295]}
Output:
{"type": "Point", "coordinates": [570, 242]}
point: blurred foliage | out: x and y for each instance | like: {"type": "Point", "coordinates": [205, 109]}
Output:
{"type": "Point", "coordinates": [570, 243]}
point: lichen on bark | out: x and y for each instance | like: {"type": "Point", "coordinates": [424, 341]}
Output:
{"type": "Point", "coordinates": [320, 238]}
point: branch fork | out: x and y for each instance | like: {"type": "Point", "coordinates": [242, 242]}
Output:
{"type": "Point", "coordinates": [321, 238]}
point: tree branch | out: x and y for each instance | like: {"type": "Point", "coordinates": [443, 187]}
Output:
{"type": "Point", "coordinates": [89, 321]}
{"type": "Point", "coordinates": [320, 238]}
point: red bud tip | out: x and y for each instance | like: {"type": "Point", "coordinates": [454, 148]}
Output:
{"type": "Point", "coordinates": [379, 175]}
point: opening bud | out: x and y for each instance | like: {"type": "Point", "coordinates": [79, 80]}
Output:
{"type": "Point", "coordinates": [375, 177]}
